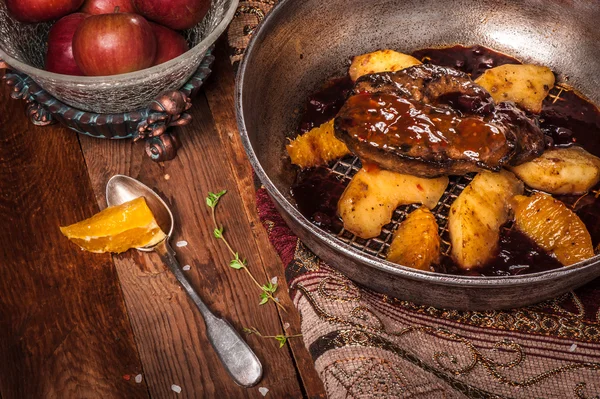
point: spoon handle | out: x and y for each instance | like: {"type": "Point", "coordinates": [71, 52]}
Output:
{"type": "Point", "coordinates": [235, 354]}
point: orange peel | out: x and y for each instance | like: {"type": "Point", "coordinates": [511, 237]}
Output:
{"type": "Point", "coordinates": [117, 229]}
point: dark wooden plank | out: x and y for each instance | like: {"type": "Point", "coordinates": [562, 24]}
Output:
{"type": "Point", "coordinates": [64, 331]}
{"type": "Point", "coordinates": [168, 329]}
{"type": "Point", "coordinates": [220, 95]}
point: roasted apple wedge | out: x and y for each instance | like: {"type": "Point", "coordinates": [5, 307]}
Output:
{"type": "Point", "coordinates": [416, 242]}
{"type": "Point", "coordinates": [526, 85]}
{"type": "Point", "coordinates": [554, 227]}
{"type": "Point", "coordinates": [373, 194]}
{"type": "Point", "coordinates": [570, 170]}
{"type": "Point", "coordinates": [380, 61]}
{"type": "Point", "coordinates": [476, 216]}
{"type": "Point", "coordinates": [316, 147]}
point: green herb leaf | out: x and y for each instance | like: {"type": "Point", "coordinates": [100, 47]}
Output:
{"type": "Point", "coordinates": [218, 232]}
{"type": "Point", "coordinates": [282, 339]}
{"type": "Point", "coordinates": [213, 199]}
{"type": "Point", "coordinates": [269, 287]}
{"type": "Point", "coordinates": [236, 264]}
{"type": "Point", "coordinates": [264, 298]}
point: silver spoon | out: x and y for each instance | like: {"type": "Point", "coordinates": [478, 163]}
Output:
{"type": "Point", "coordinates": [235, 354]}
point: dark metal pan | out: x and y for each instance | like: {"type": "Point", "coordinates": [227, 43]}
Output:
{"type": "Point", "coordinates": [303, 43]}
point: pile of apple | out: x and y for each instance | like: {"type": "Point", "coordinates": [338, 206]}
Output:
{"type": "Point", "coordinates": [110, 37]}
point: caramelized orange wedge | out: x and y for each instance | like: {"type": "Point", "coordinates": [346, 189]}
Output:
{"type": "Point", "coordinates": [117, 229]}
{"type": "Point", "coordinates": [554, 227]}
{"type": "Point", "coordinates": [416, 242]}
{"type": "Point", "coordinates": [316, 147]}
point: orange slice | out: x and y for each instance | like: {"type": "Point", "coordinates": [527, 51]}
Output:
{"type": "Point", "coordinates": [416, 242]}
{"type": "Point", "coordinates": [316, 147]}
{"type": "Point", "coordinates": [117, 229]}
{"type": "Point", "coordinates": [554, 227]}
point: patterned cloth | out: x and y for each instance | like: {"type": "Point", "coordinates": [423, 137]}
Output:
{"type": "Point", "coordinates": [366, 344]}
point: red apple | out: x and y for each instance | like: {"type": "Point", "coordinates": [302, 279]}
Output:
{"type": "Point", "coordinates": [41, 10]}
{"type": "Point", "coordinates": [110, 44]}
{"type": "Point", "coordinates": [175, 14]}
{"type": "Point", "coordinates": [59, 58]}
{"type": "Point", "coordinates": [96, 7]}
{"type": "Point", "coordinates": [169, 44]}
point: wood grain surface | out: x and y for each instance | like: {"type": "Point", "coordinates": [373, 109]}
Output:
{"type": "Point", "coordinates": [64, 332]}
{"type": "Point", "coordinates": [220, 94]}
{"type": "Point", "coordinates": [74, 324]}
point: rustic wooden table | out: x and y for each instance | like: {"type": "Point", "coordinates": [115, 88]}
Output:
{"type": "Point", "coordinates": [76, 324]}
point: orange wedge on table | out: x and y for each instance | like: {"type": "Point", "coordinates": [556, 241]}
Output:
{"type": "Point", "coordinates": [117, 228]}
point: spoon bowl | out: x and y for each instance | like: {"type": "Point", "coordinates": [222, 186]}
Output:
{"type": "Point", "coordinates": [121, 189]}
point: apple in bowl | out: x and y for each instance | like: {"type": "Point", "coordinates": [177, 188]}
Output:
{"type": "Point", "coordinates": [96, 7]}
{"type": "Point", "coordinates": [33, 11]}
{"type": "Point", "coordinates": [59, 57]}
{"type": "Point", "coordinates": [174, 14]}
{"type": "Point", "coordinates": [112, 44]}
{"type": "Point", "coordinates": [169, 43]}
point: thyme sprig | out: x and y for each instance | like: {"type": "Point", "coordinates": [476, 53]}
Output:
{"type": "Point", "coordinates": [238, 263]}
{"type": "Point", "coordinates": [281, 338]}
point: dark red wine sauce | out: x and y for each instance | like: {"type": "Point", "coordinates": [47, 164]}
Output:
{"type": "Point", "coordinates": [566, 120]}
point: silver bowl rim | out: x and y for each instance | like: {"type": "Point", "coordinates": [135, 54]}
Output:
{"type": "Point", "coordinates": [129, 78]}
{"type": "Point", "coordinates": [345, 249]}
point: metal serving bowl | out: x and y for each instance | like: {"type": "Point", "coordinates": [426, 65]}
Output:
{"type": "Point", "coordinates": [23, 46]}
{"type": "Point", "coordinates": [303, 43]}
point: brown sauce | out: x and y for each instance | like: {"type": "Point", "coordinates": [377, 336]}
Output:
{"type": "Point", "coordinates": [389, 121]}
{"type": "Point", "coordinates": [517, 254]}
{"type": "Point", "coordinates": [566, 121]}
{"type": "Point", "coordinates": [472, 60]}
{"type": "Point", "coordinates": [325, 104]}
{"type": "Point", "coordinates": [317, 192]}
{"type": "Point", "coordinates": [571, 119]}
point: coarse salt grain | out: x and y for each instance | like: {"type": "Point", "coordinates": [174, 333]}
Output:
{"type": "Point", "coordinates": [167, 176]}
{"type": "Point", "coordinates": [181, 244]}
{"type": "Point", "coordinates": [274, 280]}
{"type": "Point", "coordinates": [263, 391]}
{"type": "Point", "coordinates": [176, 388]}
{"type": "Point", "coordinates": [138, 378]}
{"type": "Point", "coordinates": [187, 267]}
{"type": "Point", "coordinates": [572, 348]}
{"type": "Point", "coordinates": [286, 326]}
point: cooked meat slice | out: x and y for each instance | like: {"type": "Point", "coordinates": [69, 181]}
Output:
{"type": "Point", "coordinates": [554, 227]}
{"type": "Point", "coordinates": [373, 194]}
{"type": "Point", "coordinates": [416, 242]}
{"type": "Point", "coordinates": [430, 121]}
{"type": "Point", "coordinates": [429, 84]}
{"type": "Point", "coordinates": [527, 135]}
{"type": "Point", "coordinates": [570, 170]}
{"type": "Point", "coordinates": [476, 215]}
{"type": "Point", "coordinates": [405, 136]}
